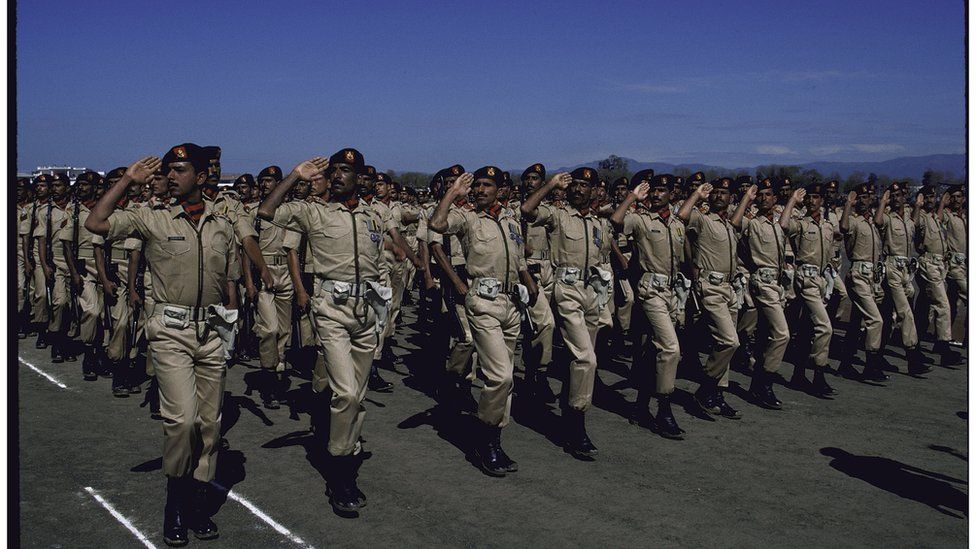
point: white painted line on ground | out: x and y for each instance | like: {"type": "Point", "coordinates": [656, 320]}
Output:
{"type": "Point", "coordinates": [43, 373]}
{"type": "Point", "coordinates": [118, 516]}
{"type": "Point", "coordinates": [268, 520]}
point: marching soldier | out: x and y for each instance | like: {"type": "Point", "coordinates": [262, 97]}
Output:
{"type": "Point", "coordinates": [765, 256]}
{"type": "Point", "coordinates": [958, 245]}
{"type": "Point", "coordinates": [195, 263]}
{"type": "Point", "coordinates": [714, 245]}
{"type": "Point", "coordinates": [930, 241]}
{"type": "Point", "coordinates": [814, 237]}
{"type": "Point", "coordinates": [24, 267]}
{"type": "Point", "coordinates": [348, 304]}
{"type": "Point", "coordinates": [537, 342]}
{"type": "Point", "coordinates": [578, 291]}
{"type": "Point", "coordinates": [659, 238]}
{"type": "Point", "coordinates": [898, 232]}
{"type": "Point", "coordinates": [55, 267]}
{"type": "Point", "coordinates": [493, 247]}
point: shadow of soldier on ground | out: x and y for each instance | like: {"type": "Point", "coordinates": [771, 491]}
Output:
{"type": "Point", "coordinates": [458, 428]}
{"type": "Point", "coordinates": [932, 489]}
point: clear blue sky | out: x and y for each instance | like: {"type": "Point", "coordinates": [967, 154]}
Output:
{"type": "Point", "coordinates": [421, 85]}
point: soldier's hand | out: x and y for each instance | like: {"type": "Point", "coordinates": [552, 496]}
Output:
{"type": "Point", "coordinates": [267, 280]}
{"type": "Point", "coordinates": [533, 293]}
{"type": "Point", "coordinates": [428, 280]}
{"type": "Point", "coordinates": [885, 196]}
{"type": "Point", "coordinates": [798, 195]}
{"type": "Point", "coordinates": [302, 300]}
{"type": "Point", "coordinates": [141, 171]}
{"type": "Point", "coordinates": [28, 267]}
{"type": "Point", "coordinates": [417, 263]}
{"type": "Point", "coordinates": [641, 192]}
{"type": "Point", "coordinates": [462, 185]}
{"type": "Point", "coordinates": [461, 288]}
{"type": "Point", "coordinates": [751, 192]}
{"type": "Point", "coordinates": [851, 198]}
{"type": "Point", "coordinates": [251, 290]}
{"type": "Point", "coordinates": [561, 180]}
{"type": "Point", "coordinates": [919, 199]}
{"type": "Point", "coordinates": [76, 282]}
{"type": "Point", "coordinates": [135, 300]}
{"type": "Point", "coordinates": [48, 273]}
{"type": "Point", "coordinates": [944, 199]}
{"type": "Point", "coordinates": [703, 191]}
{"type": "Point", "coordinates": [306, 170]}
{"type": "Point", "coordinates": [110, 289]}
{"type": "Point", "coordinates": [399, 254]}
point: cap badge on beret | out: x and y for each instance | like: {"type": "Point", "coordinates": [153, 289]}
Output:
{"type": "Point", "coordinates": [180, 152]}
{"type": "Point", "coordinates": [491, 171]}
{"type": "Point", "coordinates": [350, 156]}
{"type": "Point", "coordinates": [537, 167]}
{"type": "Point", "coordinates": [586, 173]}
{"type": "Point", "coordinates": [272, 170]}
{"type": "Point", "coordinates": [455, 170]}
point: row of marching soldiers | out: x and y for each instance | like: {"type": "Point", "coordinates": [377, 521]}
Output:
{"type": "Point", "coordinates": [322, 257]}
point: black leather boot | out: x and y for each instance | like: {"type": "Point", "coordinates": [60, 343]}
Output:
{"type": "Point", "coordinates": [119, 387]}
{"type": "Point", "coordinates": [724, 409]}
{"type": "Point", "coordinates": [872, 368]}
{"type": "Point", "coordinates": [89, 363]}
{"type": "Point", "coordinates": [820, 387]}
{"type": "Point", "coordinates": [799, 379]}
{"type": "Point", "coordinates": [43, 338]}
{"type": "Point", "coordinates": [579, 443]}
{"type": "Point", "coordinates": [152, 395]}
{"type": "Point", "coordinates": [174, 529]}
{"type": "Point", "coordinates": [270, 390]}
{"type": "Point", "coordinates": [916, 364]}
{"type": "Point", "coordinates": [377, 383]}
{"type": "Point", "coordinates": [490, 455]}
{"type": "Point", "coordinates": [706, 396]}
{"type": "Point", "coordinates": [344, 495]}
{"type": "Point", "coordinates": [198, 515]}
{"type": "Point", "coordinates": [947, 356]}
{"type": "Point", "coordinates": [664, 420]}
{"type": "Point", "coordinates": [57, 353]}
{"type": "Point", "coordinates": [762, 390]}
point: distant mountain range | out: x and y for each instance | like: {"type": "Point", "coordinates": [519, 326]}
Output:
{"type": "Point", "coordinates": [905, 166]}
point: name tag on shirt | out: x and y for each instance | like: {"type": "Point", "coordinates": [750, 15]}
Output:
{"type": "Point", "coordinates": [171, 238]}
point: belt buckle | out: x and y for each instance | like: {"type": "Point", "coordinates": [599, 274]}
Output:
{"type": "Point", "coordinates": [570, 275]}
{"type": "Point", "coordinates": [715, 278]}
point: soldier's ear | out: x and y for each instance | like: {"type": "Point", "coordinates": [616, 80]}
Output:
{"type": "Point", "coordinates": [201, 178]}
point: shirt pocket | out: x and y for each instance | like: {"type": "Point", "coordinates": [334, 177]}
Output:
{"type": "Point", "coordinates": [175, 246]}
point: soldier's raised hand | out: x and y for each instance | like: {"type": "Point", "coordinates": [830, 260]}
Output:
{"type": "Point", "coordinates": [142, 170]}
{"type": "Point", "coordinates": [703, 191]}
{"type": "Point", "coordinates": [462, 185]}
{"type": "Point", "coordinates": [641, 191]}
{"type": "Point", "coordinates": [561, 180]}
{"type": "Point", "coordinates": [751, 192]}
{"type": "Point", "coordinates": [799, 195]}
{"type": "Point", "coordinates": [306, 170]}
{"type": "Point", "coordinates": [919, 199]}
{"type": "Point", "coordinates": [851, 198]}
{"type": "Point", "coordinates": [885, 196]}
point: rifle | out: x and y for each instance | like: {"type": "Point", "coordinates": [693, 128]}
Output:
{"type": "Point", "coordinates": [48, 284]}
{"type": "Point", "coordinates": [75, 305]}
{"type": "Point", "coordinates": [133, 339]}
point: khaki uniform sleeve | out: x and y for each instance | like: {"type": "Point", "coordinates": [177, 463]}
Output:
{"type": "Point", "coordinates": [630, 225]}
{"type": "Point", "coordinates": [123, 223]}
{"type": "Point", "coordinates": [793, 227]}
{"type": "Point", "coordinates": [544, 217]}
{"type": "Point", "coordinates": [455, 221]}
{"type": "Point", "coordinates": [292, 240]}
{"type": "Point", "coordinates": [695, 221]}
{"type": "Point", "coordinates": [292, 216]}
{"type": "Point", "coordinates": [233, 264]}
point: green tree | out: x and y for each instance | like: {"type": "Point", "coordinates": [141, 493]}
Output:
{"type": "Point", "coordinates": [613, 167]}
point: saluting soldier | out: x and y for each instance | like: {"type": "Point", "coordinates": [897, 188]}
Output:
{"type": "Point", "coordinates": [79, 253]}
{"type": "Point", "coordinates": [714, 249]}
{"type": "Point", "coordinates": [659, 238]}
{"type": "Point", "coordinates": [957, 242]}
{"type": "Point", "coordinates": [346, 240]}
{"type": "Point", "coordinates": [897, 232]}
{"type": "Point", "coordinates": [813, 236]}
{"type": "Point", "coordinates": [194, 260]}
{"type": "Point", "coordinates": [765, 257]}
{"type": "Point", "coordinates": [576, 255]}
{"type": "Point", "coordinates": [493, 247]}
{"type": "Point", "coordinates": [623, 291]}
{"type": "Point", "coordinates": [931, 243]}
{"type": "Point", "coordinates": [833, 209]}
{"type": "Point", "coordinates": [537, 343]}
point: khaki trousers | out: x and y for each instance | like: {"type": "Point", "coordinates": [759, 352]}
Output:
{"type": "Point", "coordinates": [579, 322]}
{"type": "Point", "coordinates": [538, 350]}
{"type": "Point", "coordinates": [719, 313]}
{"type": "Point", "coordinates": [660, 307]}
{"type": "Point", "coordinates": [39, 312]}
{"type": "Point", "coordinates": [898, 297]}
{"type": "Point", "coordinates": [346, 335]}
{"type": "Point", "coordinates": [272, 318]}
{"type": "Point", "coordinates": [121, 318]}
{"type": "Point", "coordinates": [770, 301]}
{"type": "Point", "coordinates": [60, 299]}
{"type": "Point", "coordinates": [811, 290]}
{"type": "Point", "coordinates": [460, 357]}
{"type": "Point", "coordinates": [957, 281]}
{"type": "Point", "coordinates": [191, 374]}
{"type": "Point", "coordinates": [395, 282]}
{"type": "Point", "coordinates": [867, 296]}
{"type": "Point", "coordinates": [495, 328]}
{"type": "Point", "coordinates": [90, 303]}
{"type": "Point", "coordinates": [933, 271]}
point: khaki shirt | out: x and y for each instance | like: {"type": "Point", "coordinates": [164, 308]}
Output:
{"type": "Point", "coordinates": [956, 237]}
{"type": "Point", "coordinates": [898, 232]}
{"type": "Point", "coordinates": [660, 242]}
{"type": "Point", "coordinates": [345, 243]}
{"type": "Point", "coordinates": [932, 234]}
{"type": "Point", "coordinates": [576, 240]}
{"type": "Point", "coordinates": [191, 264]}
{"type": "Point", "coordinates": [408, 230]}
{"type": "Point", "coordinates": [863, 242]}
{"type": "Point", "coordinates": [86, 249]}
{"type": "Point", "coordinates": [536, 241]}
{"type": "Point", "coordinates": [58, 218]}
{"type": "Point", "coordinates": [453, 246]}
{"type": "Point", "coordinates": [715, 242]}
{"type": "Point", "coordinates": [813, 240]}
{"type": "Point", "coordinates": [270, 236]}
{"type": "Point", "coordinates": [766, 243]}
{"type": "Point", "coordinates": [493, 247]}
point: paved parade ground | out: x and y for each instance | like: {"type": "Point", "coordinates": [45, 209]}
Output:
{"type": "Point", "coordinates": [882, 466]}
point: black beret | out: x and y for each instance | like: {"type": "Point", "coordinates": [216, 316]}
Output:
{"type": "Point", "coordinates": [490, 172]}
{"type": "Point", "coordinates": [43, 178]}
{"type": "Point", "coordinates": [273, 172]}
{"type": "Point", "coordinates": [188, 152]}
{"type": "Point", "coordinates": [454, 171]}
{"type": "Point", "coordinates": [601, 183]}
{"type": "Point", "coordinates": [351, 157]}
{"type": "Point", "coordinates": [955, 187]}
{"type": "Point", "coordinates": [743, 182]}
{"type": "Point", "coordinates": [926, 189]}
{"type": "Point", "coordinates": [722, 183]}
{"type": "Point", "coordinates": [116, 173]}
{"type": "Point", "coordinates": [643, 176]}
{"type": "Point", "coordinates": [384, 178]}
{"type": "Point", "coordinates": [623, 181]}
{"type": "Point", "coordinates": [410, 190]}
{"type": "Point", "coordinates": [586, 174]}
{"type": "Point", "coordinates": [784, 182]}
{"type": "Point", "coordinates": [506, 179]}
{"type": "Point", "coordinates": [62, 177]}
{"type": "Point", "coordinates": [663, 180]}
{"type": "Point", "coordinates": [679, 181]}
{"type": "Point", "coordinates": [244, 178]}
{"type": "Point", "coordinates": [697, 177]}
{"type": "Point", "coordinates": [89, 177]}
{"type": "Point", "coordinates": [816, 187]}
{"type": "Point", "coordinates": [898, 186]}
{"type": "Point", "coordinates": [534, 168]}
{"type": "Point", "coordinates": [765, 183]}
{"type": "Point", "coordinates": [397, 186]}
{"type": "Point", "coordinates": [832, 185]}
{"type": "Point", "coordinates": [369, 170]}
{"type": "Point", "coordinates": [864, 188]}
